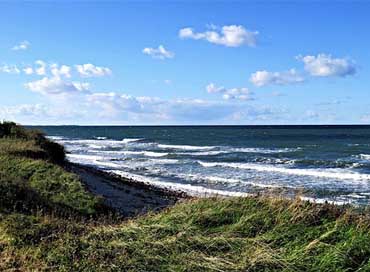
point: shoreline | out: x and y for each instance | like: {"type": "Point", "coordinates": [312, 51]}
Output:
{"type": "Point", "coordinates": [127, 196]}
{"type": "Point", "coordinates": [131, 197]}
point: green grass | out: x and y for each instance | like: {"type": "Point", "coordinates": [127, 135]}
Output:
{"type": "Point", "coordinates": [49, 222]}
{"type": "Point", "coordinates": [236, 234]}
{"type": "Point", "coordinates": [31, 180]}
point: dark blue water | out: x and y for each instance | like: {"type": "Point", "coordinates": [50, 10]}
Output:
{"type": "Point", "coordinates": [326, 162]}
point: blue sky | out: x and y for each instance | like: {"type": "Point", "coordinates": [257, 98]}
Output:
{"type": "Point", "coordinates": [185, 63]}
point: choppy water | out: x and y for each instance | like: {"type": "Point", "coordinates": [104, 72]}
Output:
{"type": "Point", "coordinates": [329, 162]}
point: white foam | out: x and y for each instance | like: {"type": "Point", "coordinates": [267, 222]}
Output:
{"type": "Point", "coordinates": [188, 188]}
{"type": "Point", "coordinates": [185, 147]}
{"type": "Point", "coordinates": [124, 152]}
{"type": "Point", "coordinates": [55, 138]}
{"type": "Point", "coordinates": [95, 146]}
{"type": "Point", "coordinates": [324, 173]}
{"type": "Point", "coordinates": [203, 153]}
{"type": "Point", "coordinates": [264, 150]}
{"type": "Point", "coordinates": [84, 157]}
{"type": "Point", "coordinates": [130, 140]}
{"type": "Point", "coordinates": [364, 156]}
{"type": "Point", "coordinates": [154, 154]}
{"type": "Point", "coordinates": [100, 143]}
{"type": "Point", "coordinates": [91, 160]}
{"type": "Point", "coordinates": [233, 180]}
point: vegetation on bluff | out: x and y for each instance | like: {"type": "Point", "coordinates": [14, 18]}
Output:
{"type": "Point", "coordinates": [31, 179]}
{"type": "Point", "coordinates": [49, 222]}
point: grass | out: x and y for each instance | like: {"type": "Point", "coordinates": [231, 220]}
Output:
{"type": "Point", "coordinates": [49, 222]}
{"type": "Point", "coordinates": [32, 179]}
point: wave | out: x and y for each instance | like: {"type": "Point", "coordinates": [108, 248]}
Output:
{"type": "Point", "coordinates": [226, 150]}
{"type": "Point", "coordinates": [55, 138]}
{"type": "Point", "coordinates": [185, 147]}
{"type": "Point", "coordinates": [224, 180]}
{"type": "Point", "coordinates": [100, 138]}
{"type": "Point", "coordinates": [364, 156]}
{"type": "Point", "coordinates": [101, 161]}
{"type": "Point", "coordinates": [85, 157]}
{"type": "Point", "coordinates": [131, 140]}
{"type": "Point", "coordinates": [203, 153]}
{"type": "Point", "coordinates": [123, 152]}
{"type": "Point", "coordinates": [264, 150]}
{"type": "Point", "coordinates": [100, 144]}
{"type": "Point", "coordinates": [327, 173]}
{"type": "Point", "coordinates": [230, 180]}
{"type": "Point", "coordinates": [193, 190]}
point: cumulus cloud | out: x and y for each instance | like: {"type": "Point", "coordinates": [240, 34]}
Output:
{"type": "Point", "coordinates": [118, 108]}
{"type": "Point", "coordinates": [10, 69]}
{"type": "Point", "coordinates": [230, 36]}
{"type": "Point", "coordinates": [263, 78]}
{"type": "Point", "coordinates": [63, 70]}
{"type": "Point", "coordinates": [56, 86]}
{"type": "Point", "coordinates": [158, 53]}
{"type": "Point", "coordinates": [90, 70]}
{"type": "Point", "coordinates": [28, 70]}
{"type": "Point", "coordinates": [324, 65]}
{"type": "Point", "coordinates": [114, 106]}
{"type": "Point", "coordinates": [24, 45]}
{"type": "Point", "coordinates": [230, 94]}
{"type": "Point", "coordinates": [41, 67]}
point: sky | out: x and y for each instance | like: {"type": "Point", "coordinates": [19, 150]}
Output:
{"type": "Point", "coordinates": [185, 63]}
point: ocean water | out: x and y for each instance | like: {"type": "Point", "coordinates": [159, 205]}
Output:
{"type": "Point", "coordinates": [324, 162]}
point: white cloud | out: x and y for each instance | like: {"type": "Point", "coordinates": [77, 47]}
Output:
{"type": "Point", "coordinates": [90, 70]}
{"type": "Point", "coordinates": [113, 107]}
{"type": "Point", "coordinates": [324, 65]}
{"type": "Point", "coordinates": [168, 81]}
{"type": "Point", "coordinates": [41, 69]}
{"type": "Point", "coordinates": [10, 69]}
{"type": "Point", "coordinates": [63, 70]}
{"type": "Point", "coordinates": [23, 109]}
{"type": "Point", "coordinates": [230, 94]}
{"type": "Point", "coordinates": [212, 88]}
{"type": "Point", "coordinates": [311, 114]}
{"type": "Point", "coordinates": [117, 108]}
{"type": "Point", "coordinates": [158, 53]}
{"type": "Point", "coordinates": [24, 45]}
{"type": "Point", "coordinates": [56, 86]}
{"type": "Point", "coordinates": [365, 118]}
{"type": "Point", "coordinates": [28, 70]}
{"type": "Point", "coordinates": [263, 78]}
{"type": "Point", "coordinates": [230, 36]}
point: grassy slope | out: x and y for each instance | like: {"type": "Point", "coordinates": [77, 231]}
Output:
{"type": "Point", "coordinates": [47, 227]}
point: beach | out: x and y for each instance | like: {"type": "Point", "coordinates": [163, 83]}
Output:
{"type": "Point", "coordinates": [127, 196]}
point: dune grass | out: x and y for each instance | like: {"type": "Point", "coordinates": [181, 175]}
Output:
{"type": "Point", "coordinates": [30, 178]}
{"type": "Point", "coordinates": [49, 222]}
{"type": "Point", "coordinates": [237, 234]}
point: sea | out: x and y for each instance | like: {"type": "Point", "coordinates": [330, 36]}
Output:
{"type": "Point", "coordinates": [320, 163]}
